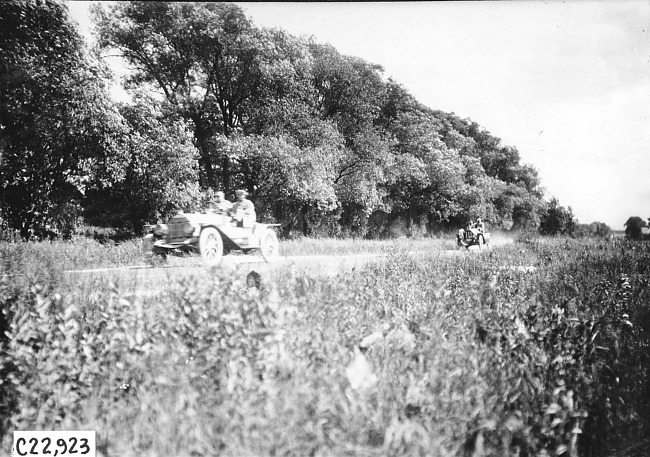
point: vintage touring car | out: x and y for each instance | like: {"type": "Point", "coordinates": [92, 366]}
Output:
{"type": "Point", "coordinates": [472, 237]}
{"type": "Point", "coordinates": [211, 235]}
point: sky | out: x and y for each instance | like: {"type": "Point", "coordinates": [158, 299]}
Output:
{"type": "Point", "coordinates": [566, 83]}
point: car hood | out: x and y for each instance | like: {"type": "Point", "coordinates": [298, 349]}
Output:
{"type": "Point", "coordinates": [199, 218]}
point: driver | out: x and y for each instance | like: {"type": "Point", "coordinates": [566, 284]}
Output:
{"type": "Point", "coordinates": [469, 230]}
{"type": "Point", "coordinates": [243, 211]}
{"type": "Point", "coordinates": [480, 226]}
{"type": "Point", "coordinates": [219, 205]}
{"type": "Point", "coordinates": [223, 205]}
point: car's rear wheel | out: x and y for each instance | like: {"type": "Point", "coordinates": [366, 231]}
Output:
{"type": "Point", "coordinates": [269, 245]}
{"type": "Point", "coordinates": [211, 246]}
{"type": "Point", "coordinates": [481, 242]}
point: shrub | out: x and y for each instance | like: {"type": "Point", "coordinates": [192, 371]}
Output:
{"type": "Point", "coordinates": [537, 349]}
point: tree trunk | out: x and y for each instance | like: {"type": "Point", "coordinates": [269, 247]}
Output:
{"type": "Point", "coordinates": [202, 135]}
{"type": "Point", "coordinates": [225, 174]}
{"type": "Point", "coordinates": [225, 160]}
{"type": "Point", "coordinates": [306, 226]}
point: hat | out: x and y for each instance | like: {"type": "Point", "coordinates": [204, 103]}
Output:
{"type": "Point", "coordinates": [219, 194]}
{"type": "Point", "coordinates": [478, 219]}
{"type": "Point", "coordinates": [241, 192]}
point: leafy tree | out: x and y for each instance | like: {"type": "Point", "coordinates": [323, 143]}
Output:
{"type": "Point", "coordinates": [557, 220]}
{"type": "Point", "coordinates": [595, 230]}
{"type": "Point", "coordinates": [600, 230]}
{"type": "Point", "coordinates": [634, 228]}
{"type": "Point", "coordinates": [292, 184]}
{"type": "Point", "coordinates": [350, 90]}
{"type": "Point", "coordinates": [359, 179]}
{"type": "Point", "coordinates": [397, 101]}
{"type": "Point", "coordinates": [155, 174]}
{"type": "Point", "coordinates": [501, 163]}
{"type": "Point", "coordinates": [381, 150]}
{"type": "Point", "coordinates": [351, 93]}
{"type": "Point", "coordinates": [287, 97]}
{"type": "Point", "coordinates": [54, 116]}
{"type": "Point", "coordinates": [429, 177]}
{"type": "Point", "coordinates": [208, 61]}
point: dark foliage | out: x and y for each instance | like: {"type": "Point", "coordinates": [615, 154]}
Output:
{"type": "Point", "coordinates": [634, 228]}
{"type": "Point", "coordinates": [557, 220]}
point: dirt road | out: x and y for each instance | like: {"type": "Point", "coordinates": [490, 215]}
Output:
{"type": "Point", "coordinates": [147, 277]}
{"type": "Point", "coordinates": [148, 281]}
{"type": "Point", "coordinates": [321, 264]}
{"type": "Point", "coordinates": [315, 264]}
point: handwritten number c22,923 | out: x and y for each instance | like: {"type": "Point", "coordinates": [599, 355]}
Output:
{"type": "Point", "coordinates": [25, 446]}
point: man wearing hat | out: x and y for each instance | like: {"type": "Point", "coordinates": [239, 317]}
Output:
{"type": "Point", "coordinates": [243, 211]}
{"type": "Point", "coordinates": [480, 226]}
{"type": "Point", "coordinates": [219, 205]}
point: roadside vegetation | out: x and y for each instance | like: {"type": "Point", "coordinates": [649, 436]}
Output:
{"type": "Point", "coordinates": [536, 348]}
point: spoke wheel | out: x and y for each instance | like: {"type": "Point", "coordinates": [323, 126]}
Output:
{"type": "Point", "coordinates": [481, 242]}
{"type": "Point", "coordinates": [211, 246]}
{"type": "Point", "coordinates": [269, 245]}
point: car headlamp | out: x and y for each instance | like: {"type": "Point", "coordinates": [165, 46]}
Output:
{"type": "Point", "coordinates": [160, 230]}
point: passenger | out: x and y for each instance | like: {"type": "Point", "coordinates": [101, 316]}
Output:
{"type": "Point", "coordinates": [223, 205]}
{"type": "Point", "coordinates": [243, 211]}
{"type": "Point", "coordinates": [480, 226]}
{"type": "Point", "coordinates": [219, 205]}
{"type": "Point", "coordinates": [211, 207]}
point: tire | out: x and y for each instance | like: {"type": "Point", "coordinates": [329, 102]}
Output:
{"type": "Point", "coordinates": [211, 246]}
{"type": "Point", "coordinates": [269, 245]}
{"type": "Point", "coordinates": [481, 242]}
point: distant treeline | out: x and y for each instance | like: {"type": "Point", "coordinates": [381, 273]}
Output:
{"type": "Point", "coordinates": [324, 143]}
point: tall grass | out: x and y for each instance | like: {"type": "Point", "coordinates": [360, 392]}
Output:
{"type": "Point", "coordinates": [475, 357]}
{"type": "Point", "coordinates": [79, 253]}
{"type": "Point", "coordinates": [86, 253]}
{"type": "Point", "coordinates": [336, 246]}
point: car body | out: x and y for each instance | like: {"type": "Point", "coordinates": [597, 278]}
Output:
{"type": "Point", "coordinates": [211, 235]}
{"type": "Point", "coordinates": [473, 237]}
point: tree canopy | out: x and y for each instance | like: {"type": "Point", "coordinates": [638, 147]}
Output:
{"type": "Point", "coordinates": [557, 220]}
{"type": "Point", "coordinates": [378, 149]}
{"type": "Point", "coordinates": [322, 141]}
{"type": "Point", "coordinates": [54, 115]}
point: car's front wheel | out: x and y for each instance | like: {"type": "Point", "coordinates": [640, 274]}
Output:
{"type": "Point", "coordinates": [211, 246]}
{"type": "Point", "coordinates": [269, 245]}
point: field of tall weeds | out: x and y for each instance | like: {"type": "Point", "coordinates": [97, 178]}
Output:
{"type": "Point", "coordinates": [537, 348]}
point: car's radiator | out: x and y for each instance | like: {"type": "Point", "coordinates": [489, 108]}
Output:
{"type": "Point", "coordinates": [175, 234]}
